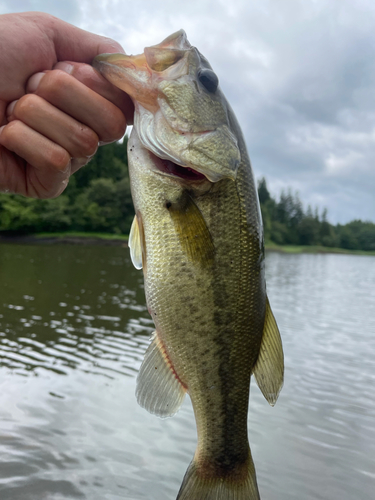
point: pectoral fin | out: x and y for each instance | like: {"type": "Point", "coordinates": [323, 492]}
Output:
{"type": "Point", "coordinates": [136, 243]}
{"type": "Point", "coordinates": [192, 231]}
{"type": "Point", "coordinates": [269, 368]}
{"type": "Point", "coordinates": [159, 389]}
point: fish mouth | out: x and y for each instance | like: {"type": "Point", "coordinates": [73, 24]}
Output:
{"type": "Point", "coordinates": [171, 169]}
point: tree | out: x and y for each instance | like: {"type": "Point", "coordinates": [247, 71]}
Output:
{"type": "Point", "coordinates": [263, 193]}
{"type": "Point", "coordinates": [97, 198]}
{"type": "Point", "coordinates": [309, 231]}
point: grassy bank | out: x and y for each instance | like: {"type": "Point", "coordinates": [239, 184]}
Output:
{"type": "Point", "coordinates": [272, 247]}
{"type": "Point", "coordinates": [67, 237]}
{"type": "Point", "coordinates": [121, 239]}
{"type": "Point", "coordinates": [98, 236]}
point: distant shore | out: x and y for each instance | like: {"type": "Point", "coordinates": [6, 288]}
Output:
{"type": "Point", "coordinates": [73, 238]}
{"type": "Point", "coordinates": [80, 238]}
{"type": "Point", "coordinates": [272, 247]}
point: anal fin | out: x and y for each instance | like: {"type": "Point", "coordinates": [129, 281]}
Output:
{"type": "Point", "coordinates": [158, 390]}
{"type": "Point", "coordinates": [269, 368]}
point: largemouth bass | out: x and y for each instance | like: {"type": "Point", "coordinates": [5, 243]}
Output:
{"type": "Point", "coordinates": [198, 236]}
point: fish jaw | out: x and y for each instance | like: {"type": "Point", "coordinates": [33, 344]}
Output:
{"type": "Point", "coordinates": [177, 117]}
{"type": "Point", "coordinates": [138, 76]}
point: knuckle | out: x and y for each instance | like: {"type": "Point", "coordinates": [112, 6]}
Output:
{"type": "Point", "coordinates": [11, 131]}
{"type": "Point", "coordinates": [86, 142]}
{"type": "Point", "coordinates": [59, 159]}
{"type": "Point", "coordinates": [26, 105]}
{"type": "Point", "coordinates": [53, 83]}
{"type": "Point", "coordinates": [116, 126]}
{"type": "Point", "coordinates": [45, 17]}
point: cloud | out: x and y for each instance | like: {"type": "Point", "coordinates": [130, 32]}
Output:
{"type": "Point", "coordinates": [299, 75]}
{"type": "Point", "coordinates": [69, 10]}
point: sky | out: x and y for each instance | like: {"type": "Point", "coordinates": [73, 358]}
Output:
{"type": "Point", "coordinates": [299, 74]}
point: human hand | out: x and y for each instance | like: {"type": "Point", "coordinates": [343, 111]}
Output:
{"type": "Point", "coordinates": [55, 109]}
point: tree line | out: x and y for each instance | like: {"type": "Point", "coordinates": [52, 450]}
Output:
{"type": "Point", "coordinates": [286, 222]}
{"type": "Point", "coordinates": [98, 199]}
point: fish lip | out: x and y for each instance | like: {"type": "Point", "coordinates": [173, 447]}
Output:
{"type": "Point", "coordinates": [105, 59]}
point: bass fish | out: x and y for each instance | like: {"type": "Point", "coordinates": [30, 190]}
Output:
{"type": "Point", "coordinates": [198, 236]}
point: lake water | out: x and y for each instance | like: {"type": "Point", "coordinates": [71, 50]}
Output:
{"type": "Point", "coordinates": [73, 329]}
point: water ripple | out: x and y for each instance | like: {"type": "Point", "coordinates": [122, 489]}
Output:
{"type": "Point", "coordinates": [73, 330]}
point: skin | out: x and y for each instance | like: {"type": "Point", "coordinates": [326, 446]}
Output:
{"type": "Point", "coordinates": [55, 109]}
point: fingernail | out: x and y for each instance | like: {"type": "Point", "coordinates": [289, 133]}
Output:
{"type": "Point", "coordinates": [64, 66]}
{"type": "Point", "coordinates": [34, 82]}
{"type": "Point", "coordinates": [104, 143]}
{"type": "Point", "coordinates": [2, 128]}
{"type": "Point", "coordinates": [10, 108]}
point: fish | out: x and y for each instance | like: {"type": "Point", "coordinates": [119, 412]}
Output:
{"type": "Point", "coordinates": [197, 235]}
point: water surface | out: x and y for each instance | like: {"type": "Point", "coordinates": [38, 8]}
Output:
{"type": "Point", "coordinates": [73, 329]}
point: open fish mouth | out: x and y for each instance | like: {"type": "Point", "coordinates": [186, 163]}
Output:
{"type": "Point", "coordinates": [171, 169]}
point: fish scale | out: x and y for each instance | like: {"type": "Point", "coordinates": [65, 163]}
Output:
{"type": "Point", "coordinates": [199, 239]}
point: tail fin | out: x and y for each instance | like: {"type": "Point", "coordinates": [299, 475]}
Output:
{"type": "Point", "coordinates": [240, 485]}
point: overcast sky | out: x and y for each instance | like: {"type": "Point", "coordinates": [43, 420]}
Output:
{"type": "Point", "coordinates": [300, 76]}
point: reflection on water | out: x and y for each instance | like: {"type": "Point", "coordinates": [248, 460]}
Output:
{"type": "Point", "coordinates": [71, 307]}
{"type": "Point", "coordinates": [73, 329]}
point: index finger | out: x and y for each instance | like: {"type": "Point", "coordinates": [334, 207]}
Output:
{"type": "Point", "coordinates": [77, 100]}
{"type": "Point", "coordinates": [90, 77]}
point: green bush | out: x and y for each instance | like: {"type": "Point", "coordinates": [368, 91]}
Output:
{"type": "Point", "coordinates": [98, 199]}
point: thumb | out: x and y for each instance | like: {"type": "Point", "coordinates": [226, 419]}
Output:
{"type": "Point", "coordinates": [74, 44]}
{"type": "Point", "coordinates": [3, 106]}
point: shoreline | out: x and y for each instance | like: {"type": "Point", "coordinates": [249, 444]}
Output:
{"type": "Point", "coordinates": [77, 238]}
{"type": "Point", "coordinates": [66, 239]}
{"type": "Point", "coordinates": [315, 249]}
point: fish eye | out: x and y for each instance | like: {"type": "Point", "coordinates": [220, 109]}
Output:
{"type": "Point", "coordinates": [208, 79]}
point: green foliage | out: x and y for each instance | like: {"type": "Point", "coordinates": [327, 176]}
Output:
{"type": "Point", "coordinates": [104, 206]}
{"type": "Point", "coordinates": [308, 231]}
{"type": "Point", "coordinates": [263, 193]}
{"type": "Point", "coordinates": [98, 200]}
{"type": "Point", "coordinates": [286, 223]}
{"type": "Point", "coordinates": [17, 213]}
